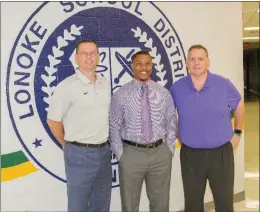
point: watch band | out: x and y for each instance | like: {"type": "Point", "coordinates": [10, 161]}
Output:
{"type": "Point", "coordinates": [237, 132]}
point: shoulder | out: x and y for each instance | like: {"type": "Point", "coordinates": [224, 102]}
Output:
{"type": "Point", "coordinates": [182, 81]}
{"type": "Point", "coordinates": [64, 88]}
{"type": "Point", "coordinates": [218, 77]}
{"type": "Point", "coordinates": [220, 81]}
{"type": "Point", "coordinates": [122, 91]}
{"type": "Point", "coordinates": [63, 91]}
{"type": "Point", "coordinates": [159, 88]}
{"type": "Point", "coordinates": [179, 83]}
{"type": "Point", "coordinates": [103, 80]}
{"type": "Point", "coordinates": [125, 88]}
{"type": "Point", "coordinates": [68, 82]}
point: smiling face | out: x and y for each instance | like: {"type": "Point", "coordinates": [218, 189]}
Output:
{"type": "Point", "coordinates": [87, 56]}
{"type": "Point", "coordinates": [142, 67]}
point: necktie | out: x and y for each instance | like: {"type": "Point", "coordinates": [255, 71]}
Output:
{"type": "Point", "coordinates": [146, 116]}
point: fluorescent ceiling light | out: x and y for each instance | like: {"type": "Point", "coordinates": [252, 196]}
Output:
{"type": "Point", "coordinates": [250, 38]}
{"type": "Point", "coordinates": [251, 28]}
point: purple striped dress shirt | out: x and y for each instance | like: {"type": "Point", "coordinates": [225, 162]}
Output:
{"type": "Point", "coordinates": [125, 115]}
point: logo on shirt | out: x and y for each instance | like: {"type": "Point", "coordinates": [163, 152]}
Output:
{"type": "Point", "coordinates": [43, 56]}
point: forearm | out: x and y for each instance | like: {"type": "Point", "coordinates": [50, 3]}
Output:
{"type": "Point", "coordinates": [116, 146]}
{"type": "Point", "coordinates": [171, 135]}
{"type": "Point", "coordinates": [171, 126]}
{"type": "Point", "coordinates": [115, 123]}
{"type": "Point", "coordinates": [115, 138]}
{"type": "Point", "coordinates": [239, 116]}
{"type": "Point", "coordinates": [238, 124]}
{"type": "Point", "coordinates": [57, 130]}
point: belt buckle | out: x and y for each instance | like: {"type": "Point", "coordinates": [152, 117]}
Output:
{"type": "Point", "coordinates": [149, 145]}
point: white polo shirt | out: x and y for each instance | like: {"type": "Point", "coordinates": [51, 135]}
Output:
{"type": "Point", "coordinates": [82, 107]}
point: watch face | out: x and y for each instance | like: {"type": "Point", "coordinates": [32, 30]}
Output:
{"type": "Point", "coordinates": [238, 131]}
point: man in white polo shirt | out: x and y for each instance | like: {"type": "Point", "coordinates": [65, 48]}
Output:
{"type": "Point", "coordinates": [78, 119]}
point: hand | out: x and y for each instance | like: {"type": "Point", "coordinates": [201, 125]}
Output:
{"type": "Point", "coordinates": [235, 141]}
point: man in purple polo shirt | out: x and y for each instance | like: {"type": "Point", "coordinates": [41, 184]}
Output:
{"type": "Point", "coordinates": [203, 101]}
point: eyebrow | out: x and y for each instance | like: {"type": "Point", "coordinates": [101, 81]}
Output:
{"type": "Point", "coordinates": [197, 57]}
{"type": "Point", "coordinates": [147, 61]}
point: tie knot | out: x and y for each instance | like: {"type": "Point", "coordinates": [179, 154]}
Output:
{"type": "Point", "coordinates": [144, 86]}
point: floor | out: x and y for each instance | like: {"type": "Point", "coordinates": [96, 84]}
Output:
{"type": "Point", "coordinates": [252, 115]}
{"type": "Point", "coordinates": [252, 136]}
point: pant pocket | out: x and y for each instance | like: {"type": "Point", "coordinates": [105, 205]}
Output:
{"type": "Point", "coordinates": [230, 146]}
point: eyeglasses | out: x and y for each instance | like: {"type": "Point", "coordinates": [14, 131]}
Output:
{"type": "Point", "coordinates": [91, 54]}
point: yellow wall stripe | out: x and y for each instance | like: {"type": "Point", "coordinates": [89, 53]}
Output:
{"type": "Point", "coordinates": [17, 171]}
{"type": "Point", "coordinates": [178, 144]}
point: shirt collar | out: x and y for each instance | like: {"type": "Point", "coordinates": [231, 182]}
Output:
{"type": "Point", "coordinates": [138, 84]}
{"type": "Point", "coordinates": [84, 80]}
{"type": "Point", "coordinates": [207, 83]}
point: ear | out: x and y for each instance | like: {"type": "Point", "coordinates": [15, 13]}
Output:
{"type": "Point", "coordinates": [208, 62]}
{"type": "Point", "coordinates": [132, 67]}
{"type": "Point", "coordinates": [76, 59]}
{"type": "Point", "coordinates": [186, 62]}
{"type": "Point", "coordinates": [98, 59]}
{"type": "Point", "coordinates": [187, 65]}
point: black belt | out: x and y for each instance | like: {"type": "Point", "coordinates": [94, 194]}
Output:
{"type": "Point", "coordinates": [147, 146]}
{"type": "Point", "coordinates": [88, 145]}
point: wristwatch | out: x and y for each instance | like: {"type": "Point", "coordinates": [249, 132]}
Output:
{"type": "Point", "coordinates": [237, 132]}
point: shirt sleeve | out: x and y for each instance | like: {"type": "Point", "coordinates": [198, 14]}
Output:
{"type": "Point", "coordinates": [59, 103]}
{"type": "Point", "coordinates": [115, 122]}
{"type": "Point", "coordinates": [172, 91]}
{"type": "Point", "coordinates": [233, 95]}
{"type": "Point", "coordinates": [170, 118]}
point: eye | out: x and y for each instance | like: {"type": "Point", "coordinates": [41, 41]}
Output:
{"type": "Point", "coordinates": [93, 53]}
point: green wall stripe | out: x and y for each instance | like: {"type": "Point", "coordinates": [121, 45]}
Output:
{"type": "Point", "coordinates": [13, 159]}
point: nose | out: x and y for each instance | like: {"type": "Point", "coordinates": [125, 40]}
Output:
{"type": "Point", "coordinates": [88, 55]}
{"type": "Point", "coordinates": [196, 61]}
{"type": "Point", "coordinates": [144, 66]}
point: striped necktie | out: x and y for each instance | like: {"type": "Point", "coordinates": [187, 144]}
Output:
{"type": "Point", "coordinates": [146, 116]}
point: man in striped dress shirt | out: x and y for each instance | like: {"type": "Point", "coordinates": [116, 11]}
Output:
{"type": "Point", "coordinates": [143, 135]}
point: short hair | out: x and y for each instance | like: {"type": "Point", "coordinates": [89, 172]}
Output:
{"type": "Point", "coordinates": [85, 41]}
{"type": "Point", "coordinates": [198, 46]}
{"type": "Point", "coordinates": [140, 53]}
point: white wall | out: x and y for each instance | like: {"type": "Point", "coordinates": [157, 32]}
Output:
{"type": "Point", "coordinates": [216, 25]}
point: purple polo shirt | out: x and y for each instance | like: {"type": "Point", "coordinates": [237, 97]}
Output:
{"type": "Point", "coordinates": [204, 116]}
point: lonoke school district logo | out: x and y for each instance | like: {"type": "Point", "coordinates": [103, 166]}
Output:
{"type": "Point", "coordinates": [43, 56]}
